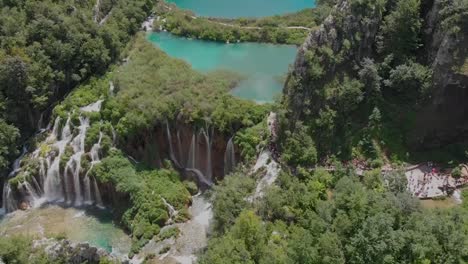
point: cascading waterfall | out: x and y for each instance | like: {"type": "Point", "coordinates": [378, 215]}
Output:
{"type": "Point", "coordinates": [171, 149]}
{"type": "Point", "coordinates": [111, 88]}
{"type": "Point", "coordinates": [229, 157]}
{"type": "Point", "coordinates": [74, 164]}
{"type": "Point", "coordinates": [200, 176]}
{"type": "Point", "coordinates": [179, 148]}
{"type": "Point", "coordinates": [208, 173]}
{"type": "Point", "coordinates": [34, 196]}
{"type": "Point", "coordinates": [192, 152]}
{"type": "Point", "coordinates": [50, 184]}
{"type": "Point", "coordinates": [53, 182]}
{"type": "Point", "coordinates": [56, 127]}
{"type": "Point", "coordinates": [17, 163]}
{"type": "Point", "coordinates": [94, 153]}
{"type": "Point", "coordinates": [8, 202]}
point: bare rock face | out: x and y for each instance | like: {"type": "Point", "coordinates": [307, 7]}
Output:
{"type": "Point", "coordinates": [207, 145]}
{"type": "Point", "coordinates": [444, 119]}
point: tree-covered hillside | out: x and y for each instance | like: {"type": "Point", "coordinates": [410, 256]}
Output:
{"type": "Point", "coordinates": [49, 47]}
{"type": "Point", "coordinates": [381, 80]}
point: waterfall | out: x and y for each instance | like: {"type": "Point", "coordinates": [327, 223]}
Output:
{"type": "Point", "coordinates": [17, 163]}
{"type": "Point", "coordinates": [55, 129]}
{"type": "Point", "coordinates": [208, 173]}
{"type": "Point", "coordinates": [98, 194]}
{"type": "Point", "coordinates": [94, 107]}
{"type": "Point", "coordinates": [8, 202]}
{"type": "Point", "coordinates": [171, 149]}
{"type": "Point", "coordinates": [42, 173]}
{"type": "Point", "coordinates": [78, 145]}
{"type": "Point", "coordinates": [200, 176]}
{"type": "Point", "coordinates": [87, 188]}
{"type": "Point", "coordinates": [36, 185]}
{"type": "Point", "coordinates": [52, 184]}
{"type": "Point", "coordinates": [94, 153]}
{"type": "Point", "coordinates": [229, 157]}
{"type": "Point", "coordinates": [192, 152]}
{"type": "Point", "coordinates": [39, 122]}
{"type": "Point", "coordinates": [172, 211]}
{"type": "Point", "coordinates": [111, 88]}
{"type": "Point", "coordinates": [30, 192]}
{"type": "Point", "coordinates": [179, 148]}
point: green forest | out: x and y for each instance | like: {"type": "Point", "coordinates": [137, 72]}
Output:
{"type": "Point", "coordinates": [319, 176]}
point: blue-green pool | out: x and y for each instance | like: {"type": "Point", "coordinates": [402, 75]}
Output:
{"type": "Point", "coordinates": [243, 8]}
{"type": "Point", "coordinates": [263, 65]}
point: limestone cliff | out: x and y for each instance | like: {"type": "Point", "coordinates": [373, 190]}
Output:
{"type": "Point", "coordinates": [330, 91]}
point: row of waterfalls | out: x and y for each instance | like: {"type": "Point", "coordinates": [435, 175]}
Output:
{"type": "Point", "coordinates": [59, 174]}
{"type": "Point", "coordinates": [48, 181]}
{"type": "Point", "coordinates": [196, 157]}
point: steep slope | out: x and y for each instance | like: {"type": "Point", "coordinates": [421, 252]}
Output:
{"type": "Point", "coordinates": [379, 77]}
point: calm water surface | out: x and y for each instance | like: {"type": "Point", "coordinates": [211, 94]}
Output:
{"type": "Point", "coordinates": [243, 8]}
{"type": "Point", "coordinates": [263, 65]}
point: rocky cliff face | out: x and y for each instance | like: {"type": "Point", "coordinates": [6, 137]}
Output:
{"type": "Point", "coordinates": [351, 34]}
{"type": "Point", "coordinates": [444, 119]}
{"type": "Point", "coordinates": [187, 147]}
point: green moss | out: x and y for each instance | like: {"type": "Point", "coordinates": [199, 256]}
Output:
{"type": "Point", "coordinates": [191, 187]}
{"type": "Point", "coordinates": [168, 233]}
{"type": "Point", "coordinates": [147, 213]}
{"type": "Point", "coordinates": [65, 157]}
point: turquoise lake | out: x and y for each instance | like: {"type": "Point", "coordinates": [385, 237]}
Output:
{"type": "Point", "coordinates": [243, 8]}
{"type": "Point", "coordinates": [263, 65]}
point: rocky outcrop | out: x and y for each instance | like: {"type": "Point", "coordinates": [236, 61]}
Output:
{"type": "Point", "coordinates": [353, 32]}
{"type": "Point", "coordinates": [184, 145]}
{"type": "Point", "coordinates": [73, 253]}
{"type": "Point", "coordinates": [444, 119]}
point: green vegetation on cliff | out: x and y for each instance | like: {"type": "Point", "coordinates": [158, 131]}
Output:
{"type": "Point", "coordinates": [49, 47]}
{"type": "Point", "coordinates": [147, 189]}
{"type": "Point", "coordinates": [365, 84]}
{"type": "Point", "coordinates": [153, 88]}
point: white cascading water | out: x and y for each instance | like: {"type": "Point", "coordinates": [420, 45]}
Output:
{"type": "Point", "coordinates": [94, 154]}
{"type": "Point", "coordinates": [30, 191]}
{"type": "Point", "coordinates": [200, 176]}
{"type": "Point", "coordinates": [208, 172]}
{"type": "Point", "coordinates": [192, 162]}
{"type": "Point", "coordinates": [111, 88]}
{"type": "Point", "coordinates": [229, 157]}
{"type": "Point", "coordinates": [192, 152]}
{"type": "Point", "coordinates": [171, 149]}
{"type": "Point", "coordinates": [99, 202]}
{"type": "Point", "coordinates": [179, 148]}
{"type": "Point", "coordinates": [172, 211]}
{"type": "Point", "coordinates": [8, 202]}
{"type": "Point", "coordinates": [53, 182]}
{"type": "Point", "coordinates": [52, 185]}
{"type": "Point", "coordinates": [74, 164]}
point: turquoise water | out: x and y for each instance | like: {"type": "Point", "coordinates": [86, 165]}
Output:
{"type": "Point", "coordinates": [243, 8]}
{"type": "Point", "coordinates": [263, 65]}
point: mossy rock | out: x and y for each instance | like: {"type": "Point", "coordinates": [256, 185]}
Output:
{"type": "Point", "coordinates": [191, 187]}
{"type": "Point", "coordinates": [183, 215]}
